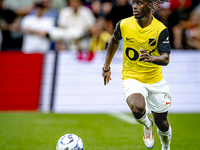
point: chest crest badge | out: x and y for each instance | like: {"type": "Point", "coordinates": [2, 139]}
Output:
{"type": "Point", "coordinates": [152, 41]}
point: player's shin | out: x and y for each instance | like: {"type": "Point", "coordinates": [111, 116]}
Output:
{"type": "Point", "coordinates": [148, 137]}
{"type": "Point", "coordinates": [145, 121]}
{"type": "Point", "coordinates": [165, 138]}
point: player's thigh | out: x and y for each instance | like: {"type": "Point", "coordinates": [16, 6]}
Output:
{"type": "Point", "coordinates": [136, 102]}
{"type": "Point", "coordinates": [135, 93]}
{"type": "Point", "coordinates": [159, 98]}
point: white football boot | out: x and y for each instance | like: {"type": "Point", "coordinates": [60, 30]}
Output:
{"type": "Point", "coordinates": [148, 137]}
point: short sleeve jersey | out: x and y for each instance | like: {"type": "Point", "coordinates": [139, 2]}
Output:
{"type": "Point", "coordinates": [154, 39]}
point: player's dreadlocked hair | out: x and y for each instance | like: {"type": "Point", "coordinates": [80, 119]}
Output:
{"type": "Point", "coordinates": [156, 3]}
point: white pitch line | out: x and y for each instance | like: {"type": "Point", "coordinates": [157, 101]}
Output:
{"type": "Point", "coordinates": [124, 117]}
{"type": "Point", "coordinates": [57, 121]}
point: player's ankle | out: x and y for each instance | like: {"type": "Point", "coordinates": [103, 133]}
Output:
{"type": "Point", "coordinates": [147, 122]}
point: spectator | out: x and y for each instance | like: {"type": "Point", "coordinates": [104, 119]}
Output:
{"type": "Point", "coordinates": [180, 4]}
{"type": "Point", "coordinates": [172, 15]}
{"type": "Point", "coordinates": [181, 10]}
{"type": "Point", "coordinates": [96, 8]}
{"type": "Point", "coordinates": [10, 26]}
{"type": "Point", "coordinates": [107, 6]}
{"type": "Point", "coordinates": [192, 30]}
{"type": "Point", "coordinates": [48, 12]}
{"type": "Point", "coordinates": [58, 4]}
{"type": "Point", "coordinates": [121, 10]}
{"type": "Point", "coordinates": [87, 3]}
{"type": "Point", "coordinates": [100, 38]}
{"type": "Point", "coordinates": [101, 8]}
{"type": "Point", "coordinates": [74, 23]}
{"type": "Point", "coordinates": [20, 7]}
{"type": "Point", "coordinates": [36, 28]}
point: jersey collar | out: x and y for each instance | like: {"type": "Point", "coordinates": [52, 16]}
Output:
{"type": "Point", "coordinates": [145, 28]}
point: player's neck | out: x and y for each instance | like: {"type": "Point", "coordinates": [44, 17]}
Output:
{"type": "Point", "coordinates": [144, 21]}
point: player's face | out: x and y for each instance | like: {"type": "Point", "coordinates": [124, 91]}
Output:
{"type": "Point", "coordinates": [140, 8]}
{"type": "Point", "coordinates": [75, 3]}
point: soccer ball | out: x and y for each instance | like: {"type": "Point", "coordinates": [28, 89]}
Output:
{"type": "Point", "coordinates": [70, 142]}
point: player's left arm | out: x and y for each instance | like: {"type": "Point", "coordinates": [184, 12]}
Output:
{"type": "Point", "coordinates": [163, 48]}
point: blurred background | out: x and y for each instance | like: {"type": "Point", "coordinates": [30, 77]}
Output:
{"type": "Point", "coordinates": [86, 25]}
{"type": "Point", "coordinates": [52, 52]}
{"type": "Point", "coordinates": [51, 58]}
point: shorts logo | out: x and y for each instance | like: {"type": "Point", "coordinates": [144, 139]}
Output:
{"type": "Point", "coordinates": [152, 41]}
{"type": "Point", "coordinates": [167, 99]}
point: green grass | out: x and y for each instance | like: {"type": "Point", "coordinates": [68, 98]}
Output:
{"type": "Point", "coordinates": [37, 131]}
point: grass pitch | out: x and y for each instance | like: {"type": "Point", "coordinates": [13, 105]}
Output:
{"type": "Point", "coordinates": [37, 131]}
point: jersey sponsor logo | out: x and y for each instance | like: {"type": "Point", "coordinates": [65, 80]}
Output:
{"type": "Point", "coordinates": [130, 40]}
{"type": "Point", "coordinates": [152, 41]}
{"type": "Point", "coordinates": [167, 40]}
{"type": "Point", "coordinates": [132, 54]}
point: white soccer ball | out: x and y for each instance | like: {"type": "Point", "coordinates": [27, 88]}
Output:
{"type": "Point", "coordinates": [70, 142]}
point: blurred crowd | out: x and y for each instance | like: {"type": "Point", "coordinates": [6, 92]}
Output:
{"type": "Point", "coordinates": [37, 26]}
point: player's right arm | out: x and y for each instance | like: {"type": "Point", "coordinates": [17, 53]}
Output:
{"type": "Point", "coordinates": [111, 50]}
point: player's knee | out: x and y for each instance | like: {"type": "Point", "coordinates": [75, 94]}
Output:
{"type": "Point", "coordinates": [163, 125]}
{"type": "Point", "coordinates": [139, 114]}
{"type": "Point", "coordinates": [138, 111]}
{"type": "Point", "coordinates": [134, 106]}
{"type": "Point", "coordinates": [136, 102]}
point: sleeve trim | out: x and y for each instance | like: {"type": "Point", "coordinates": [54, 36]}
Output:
{"type": "Point", "coordinates": [117, 31]}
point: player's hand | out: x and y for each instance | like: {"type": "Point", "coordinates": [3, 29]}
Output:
{"type": "Point", "coordinates": [145, 56]}
{"type": "Point", "coordinates": [106, 77]}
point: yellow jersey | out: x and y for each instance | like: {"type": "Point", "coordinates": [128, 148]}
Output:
{"type": "Point", "coordinates": [154, 39]}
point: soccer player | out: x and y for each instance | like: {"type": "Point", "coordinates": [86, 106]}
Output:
{"type": "Point", "coordinates": [146, 48]}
